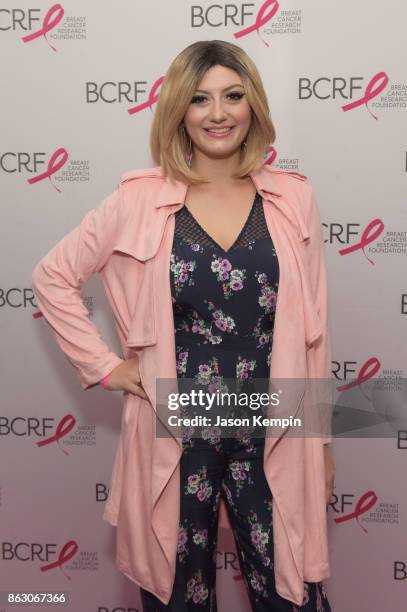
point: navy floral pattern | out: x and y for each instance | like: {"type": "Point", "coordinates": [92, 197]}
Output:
{"type": "Point", "coordinates": [182, 272]}
{"type": "Point", "coordinates": [231, 279]}
{"type": "Point", "coordinates": [226, 300]}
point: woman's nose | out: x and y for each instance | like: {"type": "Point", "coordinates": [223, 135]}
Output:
{"type": "Point", "coordinates": [217, 110]}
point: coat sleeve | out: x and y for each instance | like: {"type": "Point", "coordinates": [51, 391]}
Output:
{"type": "Point", "coordinates": [57, 284]}
{"type": "Point", "coordinates": [319, 355]}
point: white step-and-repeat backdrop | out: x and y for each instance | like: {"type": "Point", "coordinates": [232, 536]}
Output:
{"type": "Point", "coordinates": [78, 95]}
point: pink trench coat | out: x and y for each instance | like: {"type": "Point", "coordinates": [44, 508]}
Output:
{"type": "Point", "coordinates": [128, 240]}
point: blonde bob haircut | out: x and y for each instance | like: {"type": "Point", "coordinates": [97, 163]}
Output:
{"type": "Point", "coordinates": [168, 141]}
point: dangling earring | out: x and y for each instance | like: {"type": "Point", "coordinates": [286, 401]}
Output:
{"type": "Point", "coordinates": [243, 146]}
{"type": "Point", "coordinates": [188, 154]}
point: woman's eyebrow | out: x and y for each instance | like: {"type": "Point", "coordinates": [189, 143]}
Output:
{"type": "Point", "coordinates": [226, 88]}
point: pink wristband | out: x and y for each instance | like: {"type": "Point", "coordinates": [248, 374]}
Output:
{"type": "Point", "coordinates": [104, 382]}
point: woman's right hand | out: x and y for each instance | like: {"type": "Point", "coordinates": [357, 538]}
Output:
{"type": "Point", "coordinates": [126, 377]}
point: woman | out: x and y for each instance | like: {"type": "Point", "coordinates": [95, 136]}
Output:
{"type": "Point", "coordinates": [213, 265]}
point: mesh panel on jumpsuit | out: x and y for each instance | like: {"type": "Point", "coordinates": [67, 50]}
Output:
{"type": "Point", "coordinates": [224, 306]}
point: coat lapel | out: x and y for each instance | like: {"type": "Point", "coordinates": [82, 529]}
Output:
{"type": "Point", "coordinates": [294, 225]}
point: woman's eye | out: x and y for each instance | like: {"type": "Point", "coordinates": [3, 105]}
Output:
{"type": "Point", "coordinates": [197, 99]}
{"type": "Point", "coordinates": [235, 95]}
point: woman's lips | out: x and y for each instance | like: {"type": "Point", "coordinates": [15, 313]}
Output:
{"type": "Point", "coordinates": [218, 133]}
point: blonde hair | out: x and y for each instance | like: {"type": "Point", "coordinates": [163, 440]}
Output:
{"type": "Point", "coordinates": [168, 141]}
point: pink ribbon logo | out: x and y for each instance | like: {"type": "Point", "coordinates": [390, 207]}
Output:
{"type": "Point", "coordinates": [152, 98]}
{"type": "Point", "coordinates": [370, 92]}
{"type": "Point", "coordinates": [51, 19]}
{"type": "Point", "coordinates": [364, 504]}
{"type": "Point", "coordinates": [366, 238]}
{"type": "Point", "coordinates": [270, 155]}
{"type": "Point", "coordinates": [63, 428]}
{"type": "Point", "coordinates": [67, 552]}
{"type": "Point", "coordinates": [262, 18]}
{"type": "Point", "coordinates": [368, 370]}
{"type": "Point", "coordinates": [53, 167]}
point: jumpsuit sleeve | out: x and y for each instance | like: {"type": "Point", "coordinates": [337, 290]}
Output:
{"type": "Point", "coordinates": [57, 284]}
{"type": "Point", "coordinates": [319, 355]}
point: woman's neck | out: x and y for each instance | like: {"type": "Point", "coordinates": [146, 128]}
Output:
{"type": "Point", "coordinates": [219, 172]}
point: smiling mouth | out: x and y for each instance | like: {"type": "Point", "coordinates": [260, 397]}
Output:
{"type": "Point", "coordinates": [220, 130]}
{"type": "Point", "coordinates": [219, 133]}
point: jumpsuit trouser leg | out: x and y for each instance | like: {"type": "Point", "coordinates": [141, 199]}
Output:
{"type": "Point", "coordinates": [209, 468]}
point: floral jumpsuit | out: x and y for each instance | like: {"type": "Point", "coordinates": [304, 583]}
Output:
{"type": "Point", "coordinates": [224, 305]}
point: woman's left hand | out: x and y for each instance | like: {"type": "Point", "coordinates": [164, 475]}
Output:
{"type": "Point", "coordinates": [329, 472]}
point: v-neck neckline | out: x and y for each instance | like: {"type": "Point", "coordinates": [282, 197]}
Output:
{"type": "Point", "coordinates": [238, 236]}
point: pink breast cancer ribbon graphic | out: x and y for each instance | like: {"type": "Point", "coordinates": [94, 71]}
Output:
{"type": "Point", "coordinates": [368, 370]}
{"type": "Point", "coordinates": [63, 428]}
{"type": "Point", "coordinates": [366, 238]}
{"type": "Point", "coordinates": [53, 167]}
{"type": "Point", "coordinates": [68, 551]}
{"type": "Point", "coordinates": [370, 92]}
{"type": "Point", "coordinates": [51, 19]}
{"type": "Point", "coordinates": [261, 19]}
{"type": "Point", "coordinates": [363, 505]}
{"type": "Point", "coordinates": [152, 98]}
{"type": "Point", "coordinates": [270, 155]}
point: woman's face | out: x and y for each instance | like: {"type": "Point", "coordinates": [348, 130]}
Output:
{"type": "Point", "coordinates": [218, 103]}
